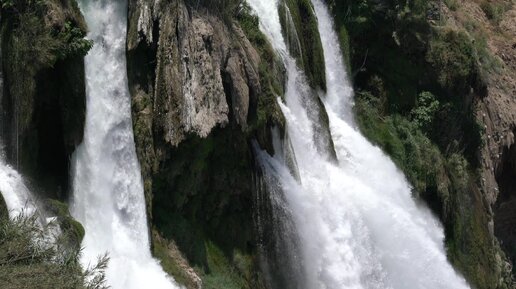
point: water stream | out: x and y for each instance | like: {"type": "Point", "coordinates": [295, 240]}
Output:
{"type": "Point", "coordinates": [356, 220]}
{"type": "Point", "coordinates": [108, 196]}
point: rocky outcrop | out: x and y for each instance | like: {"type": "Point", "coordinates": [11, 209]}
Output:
{"type": "Point", "coordinates": [197, 58]}
{"type": "Point", "coordinates": [497, 114]}
{"type": "Point", "coordinates": [44, 92]}
{"type": "Point", "coordinates": [203, 86]}
{"type": "Point", "coordinates": [297, 19]}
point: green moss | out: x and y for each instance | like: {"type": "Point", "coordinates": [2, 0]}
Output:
{"type": "Point", "coordinates": [345, 47]}
{"type": "Point", "coordinates": [44, 98]}
{"type": "Point", "coordinates": [221, 272]}
{"type": "Point", "coordinates": [468, 241]}
{"type": "Point", "coordinates": [271, 71]}
{"type": "Point", "coordinates": [204, 191]}
{"type": "Point", "coordinates": [172, 264]}
{"type": "Point", "coordinates": [229, 273]}
{"type": "Point", "coordinates": [452, 4]}
{"type": "Point", "coordinates": [72, 230]}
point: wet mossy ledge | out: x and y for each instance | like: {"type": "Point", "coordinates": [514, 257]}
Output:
{"type": "Point", "coordinates": [305, 31]}
{"type": "Point", "coordinates": [43, 47]}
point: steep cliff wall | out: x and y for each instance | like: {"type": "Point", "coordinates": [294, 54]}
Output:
{"type": "Point", "coordinates": [204, 84]}
{"type": "Point", "coordinates": [44, 94]}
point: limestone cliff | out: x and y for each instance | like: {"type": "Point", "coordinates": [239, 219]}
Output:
{"type": "Point", "coordinates": [203, 87]}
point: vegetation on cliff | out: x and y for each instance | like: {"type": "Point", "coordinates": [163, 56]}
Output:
{"type": "Point", "coordinates": [310, 57]}
{"type": "Point", "coordinates": [45, 255]}
{"type": "Point", "coordinates": [417, 80]}
{"type": "Point", "coordinates": [44, 97]}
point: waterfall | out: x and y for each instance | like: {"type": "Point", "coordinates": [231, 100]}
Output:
{"type": "Point", "coordinates": [16, 194]}
{"type": "Point", "coordinates": [108, 196]}
{"type": "Point", "coordinates": [357, 223]}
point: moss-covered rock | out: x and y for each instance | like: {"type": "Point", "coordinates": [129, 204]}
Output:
{"type": "Point", "coordinates": [306, 33]}
{"type": "Point", "coordinates": [72, 231]}
{"type": "Point", "coordinates": [44, 97]}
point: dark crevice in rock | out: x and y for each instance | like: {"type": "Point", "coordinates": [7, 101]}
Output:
{"type": "Point", "coordinates": [504, 209]}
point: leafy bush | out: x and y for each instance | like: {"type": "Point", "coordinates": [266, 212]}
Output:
{"type": "Point", "coordinates": [37, 44]}
{"type": "Point", "coordinates": [452, 55]}
{"type": "Point", "coordinates": [402, 139]}
{"type": "Point", "coordinates": [73, 42]}
{"type": "Point", "coordinates": [424, 112]}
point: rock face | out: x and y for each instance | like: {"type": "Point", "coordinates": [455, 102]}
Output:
{"type": "Point", "coordinates": [197, 59]}
{"type": "Point", "coordinates": [497, 114]}
{"type": "Point", "coordinates": [189, 73]}
{"type": "Point", "coordinates": [44, 93]}
{"type": "Point", "coordinates": [201, 91]}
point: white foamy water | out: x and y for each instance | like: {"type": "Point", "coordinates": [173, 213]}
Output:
{"type": "Point", "coordinates": [357, 223]}
{"type": "Point", "coordinates": [16, 194]}
{"type": "Point", "coordinates": [108, 196]}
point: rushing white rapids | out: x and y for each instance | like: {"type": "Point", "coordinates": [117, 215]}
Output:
{"type": "Point", "coordinates": [108, 192]}
{"type": "Point", "coordinates": [358, 225]}
{"type": "Point", "coordinates": [16, 194]}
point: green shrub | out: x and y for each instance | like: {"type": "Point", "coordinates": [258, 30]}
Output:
{"type": "Point", "coordinates": [452, 4]}
{"type": "Point", "coordinates": [452, 55]}
{"type": "Point", "coordinates": [424, 112]}
{"type": "Point", "coordinates": [73, 42]}
{"type": "Point", "coordinates": [494, 11]}
{"type": "Point", "coordinates": [31, 253]}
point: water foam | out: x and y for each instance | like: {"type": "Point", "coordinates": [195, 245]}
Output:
{"type": "Point", "coordinates": [108, 196]}
{"type": "Point", "coordinates": [358, 225]}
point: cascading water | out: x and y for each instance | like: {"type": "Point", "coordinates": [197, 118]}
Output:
{"type": "Point", "coordinates": [357, 223]}
{"type": "Point", "coordinates": [108, 194]}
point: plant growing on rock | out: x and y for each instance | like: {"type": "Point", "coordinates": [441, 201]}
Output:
{"type": "Point", "coordinates": [32, 253]}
